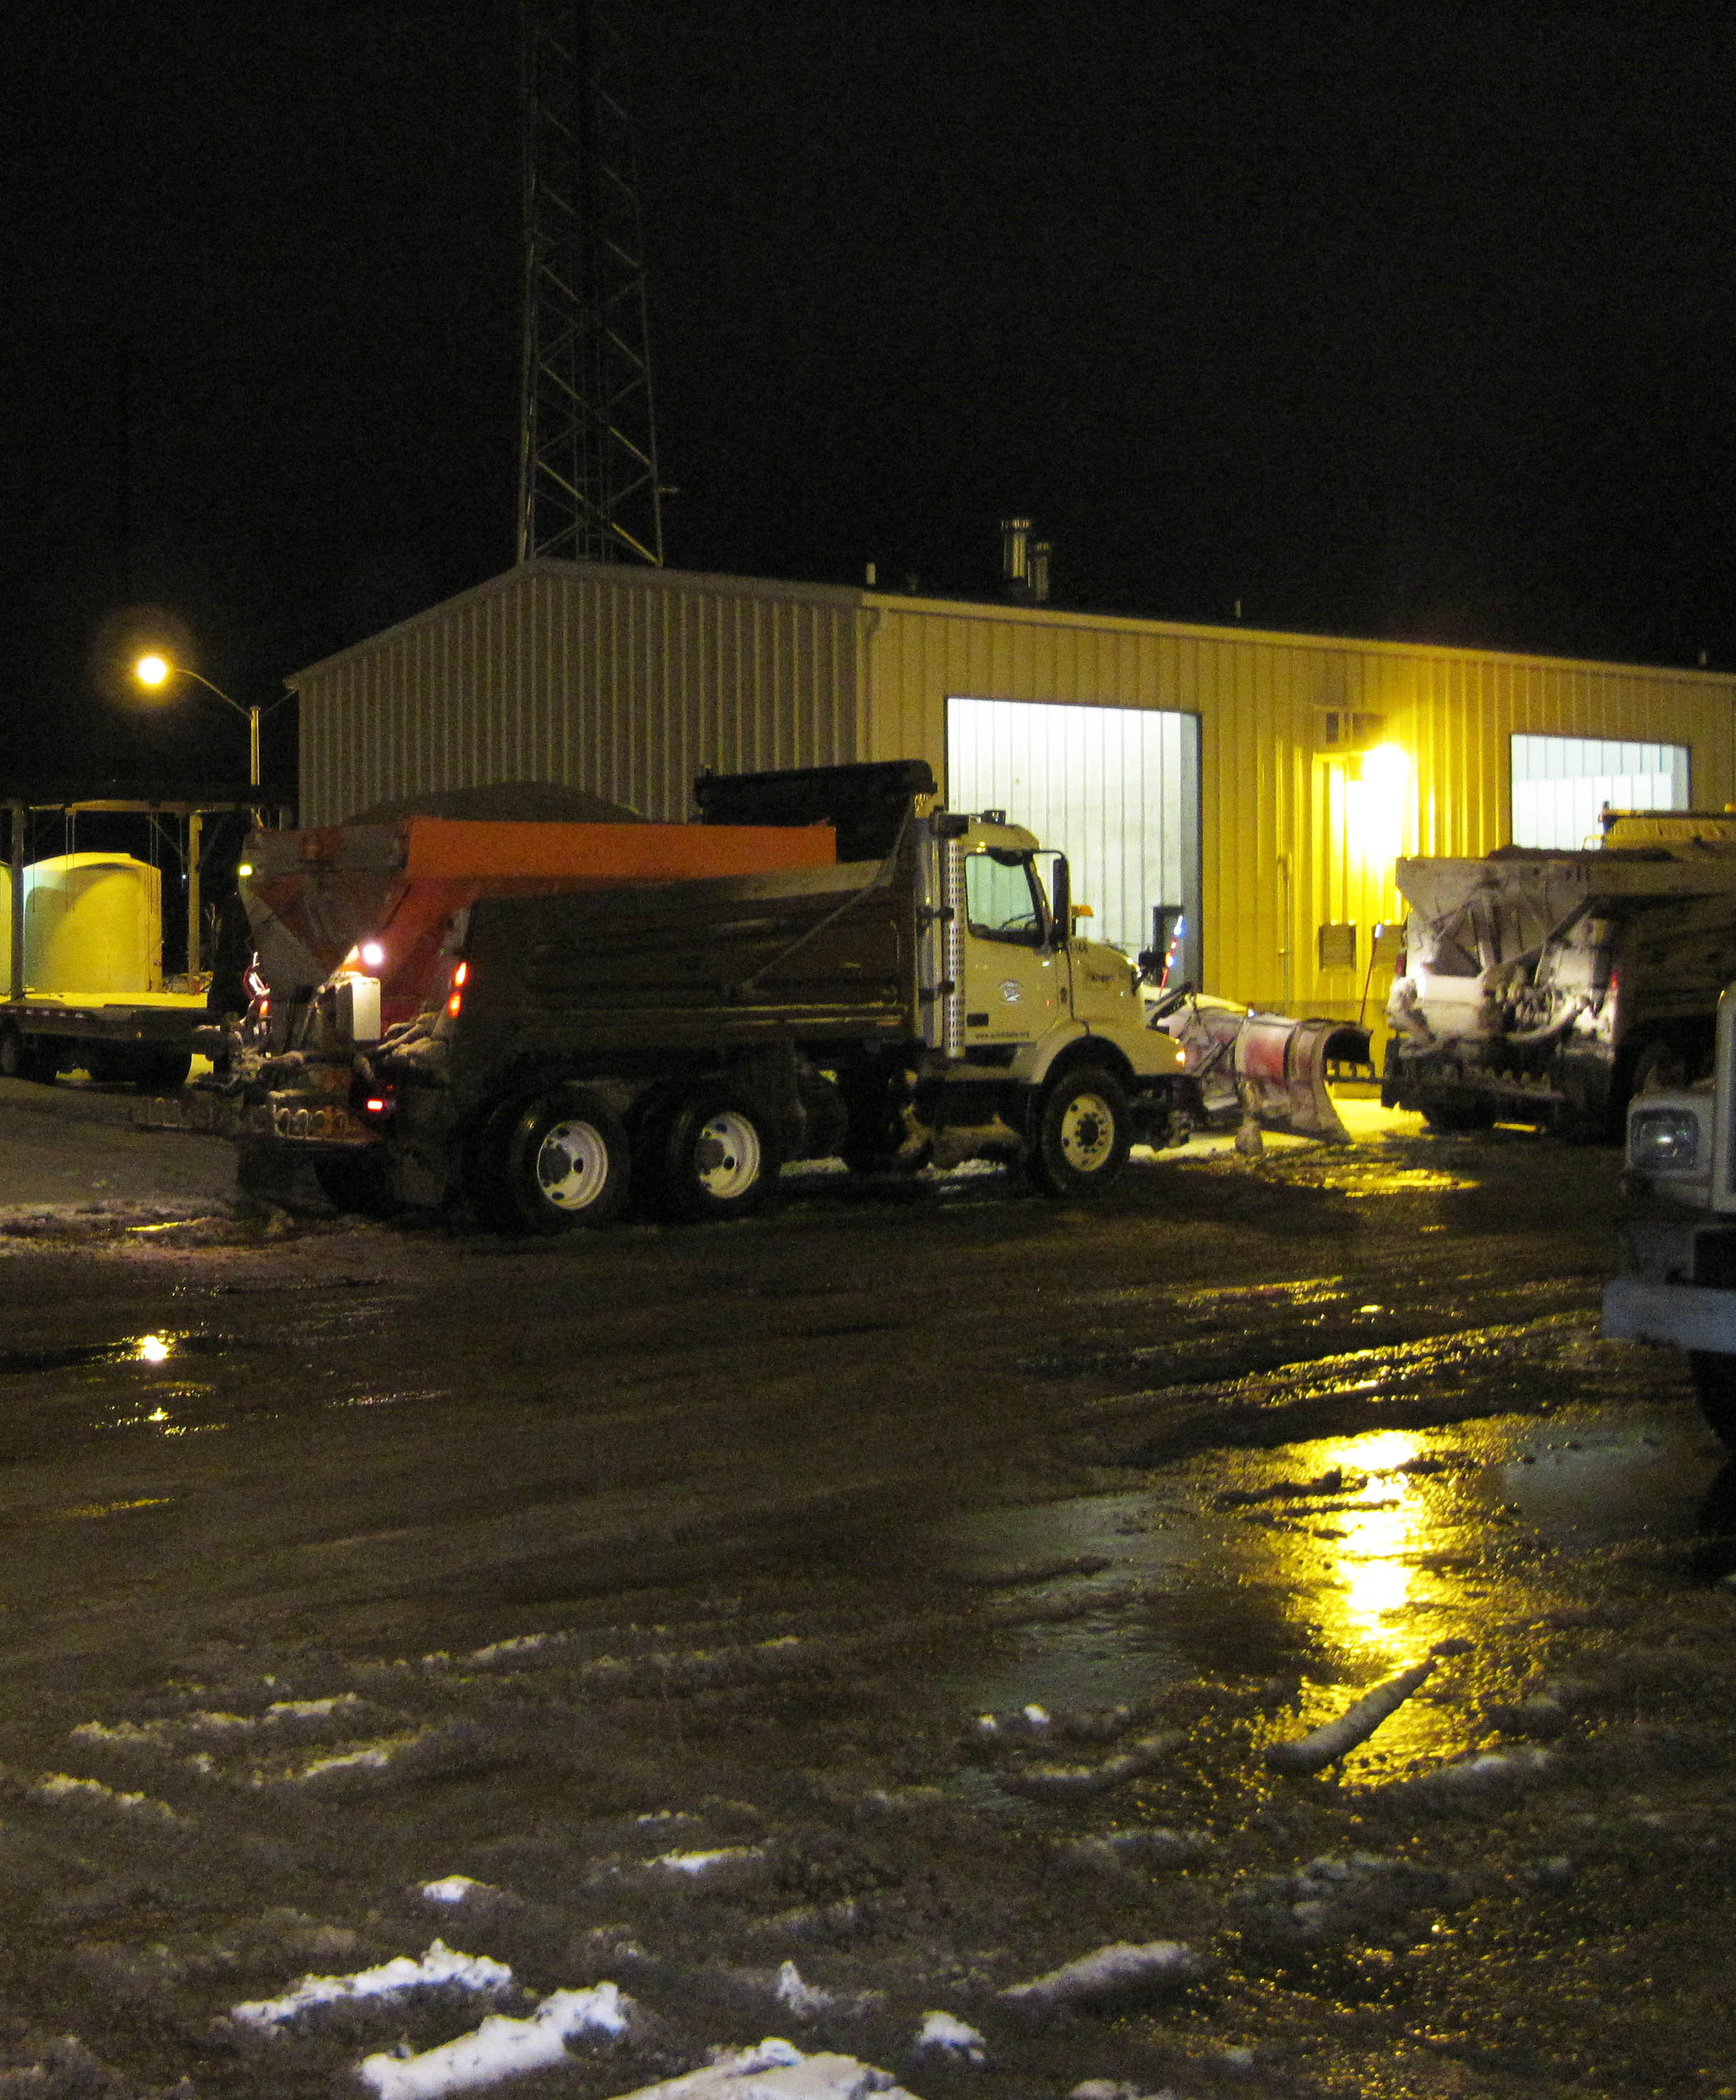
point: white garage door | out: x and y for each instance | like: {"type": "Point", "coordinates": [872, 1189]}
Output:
{"type": "Point", "coordinates": [1561, 784]}
{"type": "Point", "coordinates": [1116, 789]}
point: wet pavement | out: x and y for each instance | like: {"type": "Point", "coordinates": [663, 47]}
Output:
{"type": "Point", "coordinates": [910, 1587]}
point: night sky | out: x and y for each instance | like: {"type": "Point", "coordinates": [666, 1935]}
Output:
{"type": "Point", "coordinates": [1404, 321]}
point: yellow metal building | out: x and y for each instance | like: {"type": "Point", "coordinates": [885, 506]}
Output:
{"type": "Point", "coordinates": [1263, 783]}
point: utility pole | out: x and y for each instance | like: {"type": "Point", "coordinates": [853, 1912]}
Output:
{"type": "Point", "coordinates": [588, 488]}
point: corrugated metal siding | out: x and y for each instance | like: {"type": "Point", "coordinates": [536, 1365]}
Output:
{"type": "Point", "coordinates": [627, 682]}
{"type": "Point", "coordinates": [624, 683]}
{"type": "Point", "coordinates": [1290, 840]}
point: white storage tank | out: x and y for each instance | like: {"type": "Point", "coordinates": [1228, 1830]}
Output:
{"type": "Point", "coordinates": [93, 924]}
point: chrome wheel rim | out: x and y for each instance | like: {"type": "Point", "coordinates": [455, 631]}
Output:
{"type": "Point", "coordinates": [726, 1156]}
{"type": "Point", "coordinates": [572, 1165]}
{"type": "Point", "coordinates": [1088, 1132]}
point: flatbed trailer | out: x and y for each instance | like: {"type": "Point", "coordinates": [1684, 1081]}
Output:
{"type": "Point", "coordinates": [143, 1037]}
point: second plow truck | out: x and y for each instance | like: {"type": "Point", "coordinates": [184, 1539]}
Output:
{"type": "Point", "coordinates": [1549, 988]}
{"type": "Point", "coordinates": [823, 965]}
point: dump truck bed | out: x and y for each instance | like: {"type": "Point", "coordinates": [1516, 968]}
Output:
{"type": "Point", "coordinates": [800, 955]}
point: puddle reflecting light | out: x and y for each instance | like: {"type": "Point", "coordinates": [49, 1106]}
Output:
{"type": "Point", "coordinates": [153, 1349]}
{"type": "Point", "coordinates": [1371, 1558]}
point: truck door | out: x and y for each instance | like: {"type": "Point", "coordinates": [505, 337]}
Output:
{"type": "Point", "coordinates": [1015, 982]}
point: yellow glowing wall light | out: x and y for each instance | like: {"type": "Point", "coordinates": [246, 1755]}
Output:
{"type": "Point", "coordinates": [1377, 801]}
{"type": "Point", "coordinates": [151, 670]}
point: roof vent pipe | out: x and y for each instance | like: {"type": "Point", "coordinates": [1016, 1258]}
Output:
{"type": "Point", "coordinates": [1015, 556]}
{"type": "Point", "coordinates": [1039, 552]}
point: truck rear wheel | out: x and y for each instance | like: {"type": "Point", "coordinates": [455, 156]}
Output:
{"type": "Point", "coordinates": [1714, 1388]}
{"type": "Point", "coordinates": [27, 1056]}
{"type": "Point", "coordinates": [566, 1162]}
{"type": "Point", "coordinates": [1084, 1128]}
{"type": "Point", "coordinates": [716, 1156]}
{"type": "Point", "coordinates": [161, 1071]}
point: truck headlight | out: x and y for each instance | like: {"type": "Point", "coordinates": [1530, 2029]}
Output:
{"type": "Point", "coordinates": [1667, 1140]}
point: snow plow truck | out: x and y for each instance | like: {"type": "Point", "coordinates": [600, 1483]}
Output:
{"type": "Point", "coordinates": [539, 1027]}
{"type": "Point", "coordinates": [1550, 988]}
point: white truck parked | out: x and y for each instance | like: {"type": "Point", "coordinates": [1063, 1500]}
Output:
{"type": "Point", "coordinates": [1678, 1283]}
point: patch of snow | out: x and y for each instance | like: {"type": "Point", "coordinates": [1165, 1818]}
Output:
{"type": "Point", "coordinates": [454, 1889]}
{"type": "Point", "coordinates": [1114, 2088]}
{"type": "Point", "coordinates": [953, 2037]}
{"type": "Point", "coordinates": [1495, 1771]}
{"type": "Point", "coordinates": [519, 1644]}
{"type": "Point", "coordinates": [63, 1786]}
{"type": "Point", "coordinates": [217, 1722]}
{"type": "Point", "coordinates": [500, 2047]}
{"type": "Point", "coordinates": [118, 1731]}
{"type": "Point", "coordinates": [1118, 1969]}
{"type": "Point", "coordinates": [311, 1710]}
{"type": "Point", "coordinates": [374, 1757]}
{"type": "Point", "coordinates": [440, 1965]}
{"type": "Point", "coordinates": [365, 1757]}
{"type": "Point", "coordinates": [695, 1863]}
{"type": "Point", "coordinates": [808, 2000]}
{"type": "Point", "coordinates": [1067, 1782]}
{"type": "Point", "coordinates": [775, 2070]}
{"type": "Point", "coordinates": [1150, 1849]}
{"type": "Point", "coordinates": [805, 2000]}
{"type": "Point", "coordinates": [1359, 1894]}
{"type": "Point", "coordinates": [1031, 1720]}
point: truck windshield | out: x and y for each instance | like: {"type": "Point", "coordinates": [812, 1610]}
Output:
{"type": "Point", "coordinates": [1002, 901]}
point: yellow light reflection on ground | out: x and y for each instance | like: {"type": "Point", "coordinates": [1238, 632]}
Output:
{"type": "Point", "coordinates": [153, 1349]}
{"type": "Point", "coordinates": [1380, 1533]}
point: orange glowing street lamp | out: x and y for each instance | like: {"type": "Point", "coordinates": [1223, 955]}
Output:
{"type": "Point", "coordinates": [152, 669]}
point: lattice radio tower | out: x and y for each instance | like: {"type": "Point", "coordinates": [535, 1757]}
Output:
{"type": "Point", "coordinates": [588, 488]}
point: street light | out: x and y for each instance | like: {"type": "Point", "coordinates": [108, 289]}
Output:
{"type": "Point", "coordinates": [154, 670]}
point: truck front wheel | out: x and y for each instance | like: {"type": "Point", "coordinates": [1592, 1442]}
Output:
{"type": "Point", "coordinates": [716, 1157]}
{"type": "Point", "coordinates": [1083, 1132]}
{"type": "Point", "coordinates": [1714, 1388]}
{"type": "Point", "coordinates": [566, 1162]}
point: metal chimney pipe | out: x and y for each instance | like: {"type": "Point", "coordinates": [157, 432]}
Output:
{"type": "Point", "coordinates": [1015, 552]}
{"type": "Point", "coordinates": [1040, 554]}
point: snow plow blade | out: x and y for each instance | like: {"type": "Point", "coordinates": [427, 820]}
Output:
{"type": "Point", "coordinates": [1268, 1064]}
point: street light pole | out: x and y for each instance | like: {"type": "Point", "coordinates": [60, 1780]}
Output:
{"type": "Point", "coordinates": [154, 670]}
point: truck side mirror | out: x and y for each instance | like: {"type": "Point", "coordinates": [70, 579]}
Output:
{"type": "Point", "coordinates": [1061, 901]}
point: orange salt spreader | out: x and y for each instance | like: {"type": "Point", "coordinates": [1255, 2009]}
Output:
{"type": "Point", "coordinates": [378, 898]}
